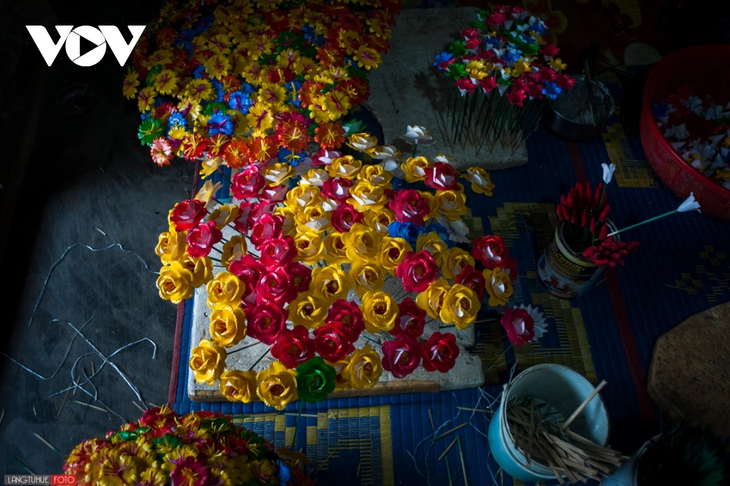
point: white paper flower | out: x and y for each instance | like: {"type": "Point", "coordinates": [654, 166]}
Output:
{"type": "Point", "coordinates": [416, 134]}
{"type": "Point", "coordinates": [386, 152]}
{"type": "Point", "coordinates": [315, 177]}
{"type": "Point", "coordinates": [538, 317]}
{"type": "Point", "coordinates": [608, 170]}
{"type": "Point", "coordinates": [713, 112]}
{"type": "Point", "coordinates": [457, 229]}
{"type": "Point", "coordinates": [689, 204]}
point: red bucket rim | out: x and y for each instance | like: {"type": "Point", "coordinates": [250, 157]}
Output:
{"type": "Point", "coordinates": [647, 108]}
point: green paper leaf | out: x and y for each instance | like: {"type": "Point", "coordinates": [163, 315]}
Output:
{"type": "Point", "coordinates": [353, 126]}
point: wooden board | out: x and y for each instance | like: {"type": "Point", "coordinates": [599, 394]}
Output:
{"type": "Point", "coordinates": [688, 377]}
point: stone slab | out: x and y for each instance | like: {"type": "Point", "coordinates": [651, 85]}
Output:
{"type": "Point", "coordinates": [466, 373]}
{"type": "Point", "coordinates": [688, 378]}
{"type": "Point", "coordinates": [408, 90]}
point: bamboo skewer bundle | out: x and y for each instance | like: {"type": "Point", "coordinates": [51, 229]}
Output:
{"type": "Point", "coordinates": [539, 434]}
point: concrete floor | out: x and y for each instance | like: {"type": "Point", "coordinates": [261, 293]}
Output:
{"type": "Point", "coordinates": [85, 173]}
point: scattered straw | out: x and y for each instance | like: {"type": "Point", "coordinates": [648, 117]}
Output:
{"type": "Point", "coordinates": [138, 406]}
{"type": "Point", "coordinates": [451, 431]}
{"type": "Point", "coordinates": [583, 405]}
{"type": "Point", "coordinates": [89, 405]}
{"type": "Point", "coordinates": [100, 231]}
{"type": "Point", "coordinates": [65, 397]}
{"type": "Point", "coordinates": [156, 406]}
{"type": "Point", "coordinates": [359, 464]}
{"type": "Point", "coordinates": [26, 468]}
{"type": "Point", "coordinates": [430, 416]}
{"type": "Point", "coordinates": [46, 442]}
{"type": "Point", "coordinates": [463, 465]}
{"type": "Point", "coordinates": [475, 410]}
{"type": "Point", "coordinates": [446, 451]}
{"type": "Point", "coordinates": [2, 416]}
{"type": "Point", "coordinates": [34, 411]}
{"type": "Point", "coordinates": [324, 461]}
{"type": "Point", "coordinates": [448, 471]}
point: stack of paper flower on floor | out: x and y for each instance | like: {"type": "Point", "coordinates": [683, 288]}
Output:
{"type": "Point", "coordinates": [339, 269]}
{"type": "Point", "coordinates": [197, 449]}
{"type": "Point", "coordinates": [254, 79]}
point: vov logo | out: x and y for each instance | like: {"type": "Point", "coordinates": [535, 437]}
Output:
{"type": "Point", "coordinates": [105, 34]}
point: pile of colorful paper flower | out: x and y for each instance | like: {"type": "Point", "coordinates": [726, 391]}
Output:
{"type": "Point", "coordinates": [344, 270]}
{"type": "Point", "coordinates": [197, 449]}
{"type": "Point", "coordinates": [708, 150]}
{"type": "Point", "coordinates": [505, 51]}
{"type": "Point", "coordinates": [584, 212]}
{"type": "Point", "coordinates": [254, 79]}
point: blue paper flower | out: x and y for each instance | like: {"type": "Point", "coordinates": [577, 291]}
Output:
{"type": "Point", "coordinates": [512, 55]}
{"type": "Point", "coordinates": [292, 93]}
{"type": "Point", "coordinates": [442, 58]}
{"type": "Point", "coordinates": [247, 88]}
{"type": "Point", "coordinates": [284, 473]}
{"type": "Point", "coordinates": [176, 120]}
{"type": "Point", "coordinates": [292, 158]}
{"type": "Point", "coordinates": [219, 123]}
{"type": "Point", "coordinates": [199, 72]}
{"type": "Point", "coordinates": [491, 41]}
{"type": "Point", "coordinates": [538, 27]}
{"type": "Point", "coordinates": [407, 231]}
{"type": "Point", "coordinates": [551, 90]}
{"type": "Point", "coordinates": [239, 101]}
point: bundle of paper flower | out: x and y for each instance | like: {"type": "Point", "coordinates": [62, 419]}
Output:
{"type": "Point", "coordinates": [254, 80]}
{"type": "Point", "coordinates": [501, 57]}
{"type": "Point", "coordinates": [339, 267]}
{"type": "Point", "coordinates": [708, 152]}
{"type": "Point", "coordinates": [197, 449]}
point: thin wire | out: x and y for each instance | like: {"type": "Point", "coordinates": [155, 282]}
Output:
{"type": "Point", "coordinates": [63, 256]}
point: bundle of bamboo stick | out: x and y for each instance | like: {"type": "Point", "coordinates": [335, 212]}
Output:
{"type": "Point", "coordinates": [539, 434]}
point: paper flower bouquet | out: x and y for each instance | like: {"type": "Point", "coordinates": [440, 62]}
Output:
{"type": "Point", "coordinates": [197, 449]}
{"type": "Point", "coordinates": [254, 79]}
{"type": "Point", "coordinates": [342, 271]}
{"type": "Point", "coordinates": [499, 72]}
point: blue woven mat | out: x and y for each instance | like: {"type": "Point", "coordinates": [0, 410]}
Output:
{"type": "Point", "coordinates": [681, 269]}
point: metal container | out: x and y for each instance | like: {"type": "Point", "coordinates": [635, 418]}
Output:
{"type": "Point", "coordinates": [569, 116]}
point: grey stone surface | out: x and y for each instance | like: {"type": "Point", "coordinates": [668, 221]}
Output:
{"type": "Point", "coordinates": [408, 90]}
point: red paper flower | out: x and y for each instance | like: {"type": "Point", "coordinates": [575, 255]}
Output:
{"type": "Point", "coordinates": [187, 214]}
{"type": "Point", "coordinates": [249, 270]}
{"type": "Point", "coordinates": [274, 194]}
{"type": "Point", "coordinates": [202, 238]}
{"type": "Point", "coordinates": [190, 472]}
{"type": "Point", "coordinates": [345, 216]}
{"type": "Point", "coordinates": [610, 252]}
{"type": "Point", "coordinates": [411, 319]}
{"type": "Point", "coordinates": [417, 271]}
{"type": "Point", "coordinates": [299, 278]}
{"type": "Point", "coordinates": [331, 342]}
{"type": "Point", "coordinates": [266, 227]}
{"type": "Point", "coordinates": [519, 324]}
{"type": "Point", "coordinates": [265, 321]}
{"type": "Point", "coordinates": [247, 183]}
{"type": "Point", "coordinates": [261, 208]}
{"type": "Point", "coordinates": [516, 96]}
{"type": "Point", "coordinates": [490, 250]}
{"type": "Point", "coordinates": [549, 50]}
{"type": "Point", "coordinates": [274, 286]}
{"type": "Point", "coordinates": [410, 207]}
{"type": "Point", "coordinates": [337, 188]}
{"type": "Point", "coordinates": [473, 279]}
{"type": "Point", "coordinates": [466, 84]}
{"type": "Point", "coordinates": [440, 352]}
{"type": "Point", "coordinates": [488, 83]}
{"type": "Point", "coordinates": [441, 177]}
{"type": "Point", "coordinates": [242, 223]}
{"type": "Point", "coordinates": [293, 347]}
{"type": "Point", "coordinates": [401, 356]}
{"type": "Point", "coordinates": [277, 252]}
{"type": "Point", "coordinates": [349, 315]}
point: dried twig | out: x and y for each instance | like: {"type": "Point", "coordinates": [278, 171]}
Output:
{"type": "Point", "coordinates": [448, 448]}
{"type": "Point", "coordinates": [450, 431]}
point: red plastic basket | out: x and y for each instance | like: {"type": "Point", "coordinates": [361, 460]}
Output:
{"type": "Point", "coordinates": [704, 68]}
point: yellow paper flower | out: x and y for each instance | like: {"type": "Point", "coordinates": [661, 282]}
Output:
{"type": "Point", "coordinates": [225, 288]}
{"type": "Point", "coordinates": [335, 246]}
{"type": "Point", "coordinates": [366, 277]}
{"type": "Point", "coordinates": [310, 248]}
{"type": "Point", "coordinates": [224, 215]}
{"type": "Point", "coordinates": [200, 267]}
{"type": "Point", "coordinates": [451, 204]}
{"type": "Point", "coordinates": [233, 250]}
{"type": "Point", "coordinates": [379, 220]}
{"type": "Point", "coordinates": [277, 385]}
{"type": "Point", "coordinates": [277, 173]}
{"type": "Point", "coordinates": [330, 283]}
{"type": "Point", "coordinates": [375, 175]}
{"type": "Point", "coordinates": [392, 252]}
{"type": "Point", "coordinates": [315, 177]}
{"type": "Point", "coordinates": [413, 168]}
{"type": "Point", "coordinates": [362, 243]}
{"type": "Point", "coordinates": [129, 86]}
{"type": "Point", "coordinates": [433, 244]}
{"type": "Point", "coordinates": [346, 167]}
{"type": "Point", "coordinates": [362, 142]}
{"type": "Point", "coordinates": [175, 283]}
{"type": "Point", "coordinates": [303, 196]}
{"type": "Point", "coordinates": [557, 64]}
{"type": "Point", "coordinates": [364, 369]}
{"type": "Point", "coordinates": [480, 181]}
{"type": "Point", "coordinates": [364, 196]}
{"type": "Point", "coordinates": [498, 285]}
{"type": "Point", "coordinates": [227, 325]}
{"type": "Point", "coordinates": [460, 306]}
{"type": "Point", "coordinates": [289, 226]}
{"type": "Point", "coordinates": [171, 245]}
{"type": "Point", "coordinates": [146, 99]}
{"type": "Point", "coordinates": [341, 382]}
{"type": "Point", "coordinates": [379, 311]}
{"type": "Point", "coordinates": [207, 360]}
{"type": "Point", "coordinates": [313, 219]}
{"type": "Point", "coordinates": [308, 309]}
{"type": "Point", "coordinates": [209, 166]}
{"type": "Point", "coordinates": [431, 300]}
{"type": "Point", "coordinates": [238, 386]}
{"type": "Point", "coordinates": [207, 193]}
{"type": "Point", "coordinates": [454, 261]}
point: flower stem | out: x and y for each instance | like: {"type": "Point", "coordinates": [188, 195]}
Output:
{"type": "Point", "coordinates": [245, 347]}
{"type": "Point", "coordinates": [259, 360]}
{"type": "Point", "coordinates": [415, 146]}
{"type": "Point", "coordinates": [296, 426]}
{"type": "Point", "coordinates": [644, 222]}
{"type": "Point", "coordinates": [220, 169]}
{"type": "Point", "coordinates": [373, 340]}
